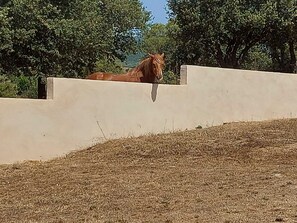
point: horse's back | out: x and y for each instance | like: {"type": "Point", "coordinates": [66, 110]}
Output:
{"type": "Point", "coordinates": [98, 76]}
{"type": "Point", "coordinates": [149, 71]}
{"type": "Point", "coordinates": [128, 77]}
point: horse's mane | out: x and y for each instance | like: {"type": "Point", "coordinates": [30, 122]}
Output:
{"type": "Point", "coordinates": [143, 69]}
{"type": "Point", "coordinates": [146, 71]}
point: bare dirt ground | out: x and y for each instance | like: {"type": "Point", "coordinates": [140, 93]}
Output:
{"type": "Point", "coordinates": [238, 172]}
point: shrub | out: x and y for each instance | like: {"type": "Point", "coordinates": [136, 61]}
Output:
{"type": "Point", "coordinates": [26, 86]}
{"type": "Point", "coordinates": [170, 78]}
{"type": "Point", "coordinates": [7, 88]}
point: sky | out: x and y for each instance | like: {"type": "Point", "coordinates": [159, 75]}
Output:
{"type": "Point", "coordinates": [157, 8]}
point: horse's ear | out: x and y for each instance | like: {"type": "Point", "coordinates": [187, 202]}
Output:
{"type": "Point", "coordinates": [162, 55]}
{"type": "Point", "coordinates": [151, 55]}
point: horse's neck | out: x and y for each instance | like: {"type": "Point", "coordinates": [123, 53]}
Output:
{"type": "Point", "coordinates": [144, 70]}
{"type": "Point", "coordinates": [145, 66]}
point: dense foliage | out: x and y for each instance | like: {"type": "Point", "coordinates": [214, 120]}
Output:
{"type": "Point", "coordinates": [229, 33]}
{"type": "Point", "coordinates": [56, 37]}
{"type": "Point", "coordinates": [73, 38]}
{"type": "Point", "coordinates": [67, 38]}
{"type": "Point", "coordinates": [158, 38]}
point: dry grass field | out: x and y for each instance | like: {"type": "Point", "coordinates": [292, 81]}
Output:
{"type": "Point", "coordinates": [237, 172]}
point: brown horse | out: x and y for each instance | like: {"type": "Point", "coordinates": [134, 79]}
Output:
{"type": "Point", "coordinates": [150, 70]}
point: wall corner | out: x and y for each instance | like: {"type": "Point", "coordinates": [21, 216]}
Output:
{"type": "Point", "coordinates": [183, 75]}
{"type": "Point", "coordinates": [50, 88]}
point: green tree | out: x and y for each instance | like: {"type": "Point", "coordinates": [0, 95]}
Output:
{"type": "Point", "coordinates": [157, 39]}
{"type": "Point", "coordinates": [7, 88]}
{"type": "Point", "coordinates": [107, 66]}
{"type": "Point", "coordinates": [63, 38]}
{"type": "Point", "coordinates": [258, 59]}
{"type": "Point", "coordinates": [6, 33]}
{"type": "Point", "coordinates": [170, 78]}
{"type": "Point", "coordinates": [283, 37]}
{"type": "Point", "coordinates": [33, 39]}
{"type": "Point", "coordinates": [26, 86]}
{"type": "Point", "coordinates": [222, 33]}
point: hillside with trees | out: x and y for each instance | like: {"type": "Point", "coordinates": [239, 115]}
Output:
{"type": "Point", "coordinates": [73, 38]}
{"type": "Point", "coordinates": [66, 38]}
{"type": "Point", "coordinates": [260, 35]}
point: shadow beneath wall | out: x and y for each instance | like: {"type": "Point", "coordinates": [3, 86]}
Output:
{"type": "Point", "coordinates": [154, 92]}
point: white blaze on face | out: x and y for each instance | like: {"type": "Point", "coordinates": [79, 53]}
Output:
{"type": "Point", "coordinates": [161, 75]}
{"type": "Point", "coordinates": [158, 64]}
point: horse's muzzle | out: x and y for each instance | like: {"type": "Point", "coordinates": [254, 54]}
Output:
{"type": "Point", "coordinates": [159, 77]}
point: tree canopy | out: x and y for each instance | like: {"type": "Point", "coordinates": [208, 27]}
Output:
{"type": "Point", "coordinates": [55, 37]}
{"type": "Point", "coordinates": [73, 38]}
{"type": "Point", "coordinates": [224, 32]}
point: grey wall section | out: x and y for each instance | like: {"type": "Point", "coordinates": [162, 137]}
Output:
{"type": "Point", "coordinates": [81, 113]}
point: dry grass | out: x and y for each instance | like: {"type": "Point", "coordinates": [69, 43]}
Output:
{"type": "Point", "coordinates": [239, 172]}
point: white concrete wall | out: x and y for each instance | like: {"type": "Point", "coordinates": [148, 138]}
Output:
{"type": "Point", "coordinates": [80, 113]}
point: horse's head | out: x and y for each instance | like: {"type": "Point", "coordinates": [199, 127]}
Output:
{"type": "Point", "coordinates": [158, 65]}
